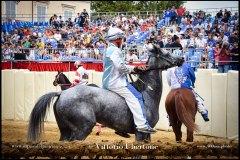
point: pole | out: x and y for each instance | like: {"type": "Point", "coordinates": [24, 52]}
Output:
{"type": "Point", "coordinates": [32, 11]}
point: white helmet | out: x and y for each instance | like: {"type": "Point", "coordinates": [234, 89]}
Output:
{"type": "Point", "coordinates": [114, 33]}
{"type": "Point", "coordinates": [77, 63]}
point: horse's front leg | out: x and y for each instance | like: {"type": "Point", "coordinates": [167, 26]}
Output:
{"type": "Point", "coordinates": [139, 137]}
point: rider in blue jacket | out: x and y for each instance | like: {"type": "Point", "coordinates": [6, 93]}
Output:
{"type": "Point", "coordinates": [184, 77]}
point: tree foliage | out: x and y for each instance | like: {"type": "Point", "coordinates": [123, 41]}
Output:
{"type": "Point", "coordinates": [127, 6]}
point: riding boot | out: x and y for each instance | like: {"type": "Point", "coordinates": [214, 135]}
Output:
{"type": "Point", "coordinates": [202, 109]}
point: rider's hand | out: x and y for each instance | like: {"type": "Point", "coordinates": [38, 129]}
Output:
{"type": "Point", "coordinates": [142, 68]}
{"type": "Point", "coordinates": [72, 85]}
{"type": "Point", "coordinates": [193, 85]}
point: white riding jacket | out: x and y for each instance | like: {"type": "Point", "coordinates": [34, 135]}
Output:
{"type": "Point", "coordinates": [115, 69]}
{"type": "Point", "coordinates": [78, 79]}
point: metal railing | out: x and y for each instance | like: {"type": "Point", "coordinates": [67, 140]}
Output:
{"type": "Point", "coordinates": [95, 15]}
{"type": "Point", "coordinates": [192, 56]}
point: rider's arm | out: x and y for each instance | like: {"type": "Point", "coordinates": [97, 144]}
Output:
{"type": "Point", "coordinates": [76, 78]}
{"type": "Point", "coordinates": [192, 74]}
{"type": "Point", "coordinates": [119, 63]}
{"type": "Point", "coordinates": [169, 77]}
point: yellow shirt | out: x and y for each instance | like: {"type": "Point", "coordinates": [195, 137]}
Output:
{"type": "Point", "coordinates": [41, 44]}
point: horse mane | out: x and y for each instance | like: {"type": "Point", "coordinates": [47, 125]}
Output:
{"type": "Point", "coordinates": [65, 78]}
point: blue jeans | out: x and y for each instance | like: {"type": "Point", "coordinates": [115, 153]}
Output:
{"type": "Point", "coordinates": [223, 68]}
{"type": "Point", "coordinates": [179, 18]}
{"type": "Point", "coordinates": [167, 20]}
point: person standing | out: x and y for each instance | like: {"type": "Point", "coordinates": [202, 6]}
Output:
{"type": "Point", "coordinates": [180, 12]}
{"type": "Point", "coordinates": [167, 17]}
{"type": "Point", "coordinates": [224, 58]}
{"type": "Point", "coordinates": [235, 56]}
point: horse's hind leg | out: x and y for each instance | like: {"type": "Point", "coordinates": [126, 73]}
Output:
{"type": "Point", "coordinates": [65, 130]}
{"type": "Point", "coordinates": [179, 125]}
{"type": "Point", "coordinates": [189, 136]}
{"type": "Point", "coordinates": [175, 127]}
{"type": "Point", "coordinates": [81, 122]}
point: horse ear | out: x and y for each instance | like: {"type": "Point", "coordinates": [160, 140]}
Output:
{"type": "Point", "coordinates": [61, 70]}
{"type": "Point", "coordinates": [58, 72]}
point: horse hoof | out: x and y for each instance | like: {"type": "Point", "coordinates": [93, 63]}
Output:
{"type": "Point", "coordinates": [122, 134]}
{"type": "Point", "coordinates": [179, 141]}
{"type": "Point", "coordinates": [97, 133]}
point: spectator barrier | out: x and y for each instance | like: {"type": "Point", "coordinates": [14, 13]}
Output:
{"type": "Point", "coordinates": [22, 88]}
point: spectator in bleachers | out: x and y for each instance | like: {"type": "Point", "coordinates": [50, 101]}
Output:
{"type": "Point", "coordinates": [40, 43]}
{"type": "Point", "coordinates": [219, 14]}
{"type": "Point", "coordinates": [56, 56]}
{"type": "Point", "coordinates": [176, 43]}
{"type": "Point", "coordinates": [192, 42]}
{"type": "Point", "coordinates": [30, 55]}
{"type": "Point", "coordinates": [224, 58]}
{"type": "Point", "coordinates": [82, 20]}
{"type": "Point", "coordinates": [183, 42]}
{"type": "Point", "coordinates": [130, 56]}
{"type": "Point", "coordinates": [178, 31]}
{"type": "Point", "coordinates": [210, 41]}
{"type": "Point", "coordinates": [173, 15]}
{"type": "Point", "coordinates": [69, 22]}
{"type": "Point", "coordinates": [208, 30]}
{"type": "Point", "coordinates": [223, 36]}
{"type": "Point", "coordinates": [152, 37]}
{"type": "Point", "coordinates": [180, 12]}
{"type": "Point", "coordinates": [233, 38]}
{"type": "Point", "coordinates": [57, 36]}
{"type": "Point", "coordinates": [159, 41]}
{"type": "Point", "coordinates": [167, 17]}
{"type": "Point", "coordinates": [204, 57]}
{"type": "Point", "coordinates": [216, 56]}
{"type": "Point", "coordinates": [200, 41]}
{"type": "Point", "coordinates": [169, 42]}
{"type": "Point", "coordinates": [235, 56]}
{"type": "Point", "coordinates": [25, 42]}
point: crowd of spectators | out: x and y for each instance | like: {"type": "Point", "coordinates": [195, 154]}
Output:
{"type": "Point", "coordinates": [84, 38]}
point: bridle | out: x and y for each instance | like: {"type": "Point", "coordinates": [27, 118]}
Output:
{"type": "Point", "coordinates": [150, 69]}
{"type": "Point", "coordinates": [57, 80]}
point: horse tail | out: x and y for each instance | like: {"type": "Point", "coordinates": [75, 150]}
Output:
{"type": "Point", "coordinates": [183, 115]}
{"type": "Point", "coordinates": [36, 122]}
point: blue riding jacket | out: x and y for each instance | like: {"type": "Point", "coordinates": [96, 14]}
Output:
{"type": "Point", "coordinates": [181, 77]}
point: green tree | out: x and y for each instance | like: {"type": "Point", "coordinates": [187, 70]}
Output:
{"type": "Point", "coordinates": [127, 6]}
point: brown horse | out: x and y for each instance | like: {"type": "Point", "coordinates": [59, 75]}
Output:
{"type": "Point", "coordinates": [181, 107]}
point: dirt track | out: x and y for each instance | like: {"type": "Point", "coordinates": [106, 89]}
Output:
{"type": "Point", "coordinates": [16, 131]}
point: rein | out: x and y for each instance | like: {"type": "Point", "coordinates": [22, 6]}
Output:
{"type": "Point", "coordinates": [61, 84]}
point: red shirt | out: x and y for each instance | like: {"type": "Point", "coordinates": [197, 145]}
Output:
{"type": "Point", "coordinates": [180, 11]}
{"type": "Point", "coordinates": [223, 57]}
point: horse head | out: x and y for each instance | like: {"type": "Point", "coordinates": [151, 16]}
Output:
{"type": "Point", "coordinates": [57, 79]}
{"type": "Point", "coordinates": [161, 59]}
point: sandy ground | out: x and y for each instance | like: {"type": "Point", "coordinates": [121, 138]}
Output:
{"type": "Point", "coordinates": [13, 131]}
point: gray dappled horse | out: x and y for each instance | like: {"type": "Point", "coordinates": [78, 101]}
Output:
{"type": "Point", "coordinates": [78, 109]}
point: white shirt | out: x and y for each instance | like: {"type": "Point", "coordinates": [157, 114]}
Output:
{"type": "Point", "coordinates": [172, 79]}
{"type": "Point", "coordinates": [78, 79]}
{"type": "Point", "coordinates": [200, 26]}
{"type": "Point", "coordinates": [132, 57]}
{"type": "Point", "coordinates": [57, 36]}
{"type": "Point", "coordinates": [201, 43]}
{"type": "Point", "coordinates": [207, 25]}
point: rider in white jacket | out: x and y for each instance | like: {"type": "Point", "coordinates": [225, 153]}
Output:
{"type": "Point", "coordinates": [81, 75]}
{"type": "Point", "coordinates": [115, 79]}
